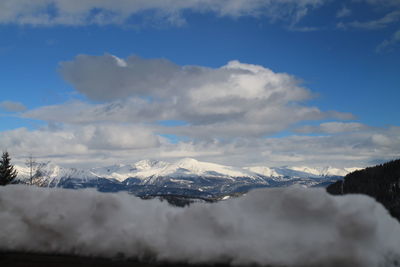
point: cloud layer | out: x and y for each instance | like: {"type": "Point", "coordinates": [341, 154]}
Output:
{"type": "Point", "coordinates": [139, 108]}
{"type": "Point", "coordinates": [79, 140]}
{"type": "Point", "coordinates": [138, 13]}
{"type": "Point", "coordinates": [106, 144]}
{"type": "Point", "coordinates": [334, 128]}
{"type": "Point", "coordinates": [72, 12]}
{"type": "Point", "coordinates": [279, 227]}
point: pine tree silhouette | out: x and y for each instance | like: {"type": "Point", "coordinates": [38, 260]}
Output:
{"type": "Point", "coordinates": [7, 171]}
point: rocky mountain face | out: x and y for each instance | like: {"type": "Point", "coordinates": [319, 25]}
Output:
{"type": "Point", "coordinates": [381, 182]}
{"type": "Point", "coordinates": [186, 177]}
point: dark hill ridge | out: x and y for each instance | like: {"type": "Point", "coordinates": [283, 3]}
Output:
{"type": "Point", "coordinates": [381, 182]}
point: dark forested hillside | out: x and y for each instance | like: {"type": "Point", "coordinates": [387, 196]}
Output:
{"type": "Point", "coordinates": [381, 182]}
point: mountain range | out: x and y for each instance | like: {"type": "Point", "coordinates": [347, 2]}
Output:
{"type": "Point", "coordinates": [185, 177]}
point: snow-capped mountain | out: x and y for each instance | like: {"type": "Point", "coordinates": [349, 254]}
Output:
{"type": "Point", "coordinates": [50, 173]}
{"type": "Point", "coordinates": [146, 169]}
{"type": "Point", "coordinates": [183, 177]}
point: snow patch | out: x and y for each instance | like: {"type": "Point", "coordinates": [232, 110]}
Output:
{"type": "Point", "coordinates": [265, 171]}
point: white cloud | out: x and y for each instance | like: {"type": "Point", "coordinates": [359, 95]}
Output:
{"type": "Point", "coordinates": [83, 141]}
{"type": "Point", "coordinates": [275, 227]}
{"type": "Point", "coordinates": [117, 137]}
{"type": "Point", "coordinates": [227, 113]}
{"type": "Point", "coordinates": [362, 148]}
{"type": "Point", "coordinates": [12, 106]}
{"type": "Point", "coordinates": [83, 12]}
{"type": "Point", "coordinates": [109, 77]}
{"type": "Point", "coordinates": [234, 100]}
{"type": "Point", "coordinates": [100, 145]}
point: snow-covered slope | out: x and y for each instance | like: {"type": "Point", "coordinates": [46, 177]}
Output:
{"type": "Point", "coordinates": [182, 168]}
{"type": "Point", "coordinates": [265, 171]}
{"type": "Point", "coordinates": [190, 167]}
{"type": "Point", "coordinates": [186, 167]}
{"type": "Point", "coordinates": [326, 171]}
{"type": "Point", "coordinates": [47, 173]}
{"type": "Point", "coordinates": [51, 170]}
{"type": "Point", "coordinates": [300, 172]}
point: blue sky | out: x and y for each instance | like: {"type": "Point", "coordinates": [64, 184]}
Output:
{"type": "Point", "coordinates": [345, 53]}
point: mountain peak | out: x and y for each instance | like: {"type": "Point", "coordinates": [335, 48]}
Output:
{"type": "Point", "coordinates": [147, 164]}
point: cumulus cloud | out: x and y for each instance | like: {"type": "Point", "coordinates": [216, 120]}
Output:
{"type": "Point", "coordinates": [237, 99]}
{"type": "Point", "coordinates": [12, 106]}
{"type": "Point", "coordinates": [109, 77]}
{"type": "Point", "coordinates": [277, 227]}
{"type": "Point", "coordinates": [72, 12]}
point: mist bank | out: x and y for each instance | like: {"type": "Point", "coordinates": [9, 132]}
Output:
{"type": "Point", "coordinates": [282, 226]}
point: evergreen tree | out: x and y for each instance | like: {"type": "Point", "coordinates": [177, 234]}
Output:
{"type": "Point", "coordinates": [7, 171]}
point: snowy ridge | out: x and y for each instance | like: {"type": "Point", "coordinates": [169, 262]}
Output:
{"type": "Point", "coordinates": [190, 167]}
{"type": "Point", "coordinates": [265, 171]}
{"type": "Point", "coordinates": [186, 167]}
{"type": "Point", "coordinates": [182, 168]}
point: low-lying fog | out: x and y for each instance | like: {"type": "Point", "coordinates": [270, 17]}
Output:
{"type": "Point", "coordinates": [292, 226]}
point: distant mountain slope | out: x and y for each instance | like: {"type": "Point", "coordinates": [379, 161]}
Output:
{"type": "Point", "coordinates": [145, 169]}
{"type": "Point", "coordinates": [185, 177]}
{"type": "Point", "coordinates": [381, 182]}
